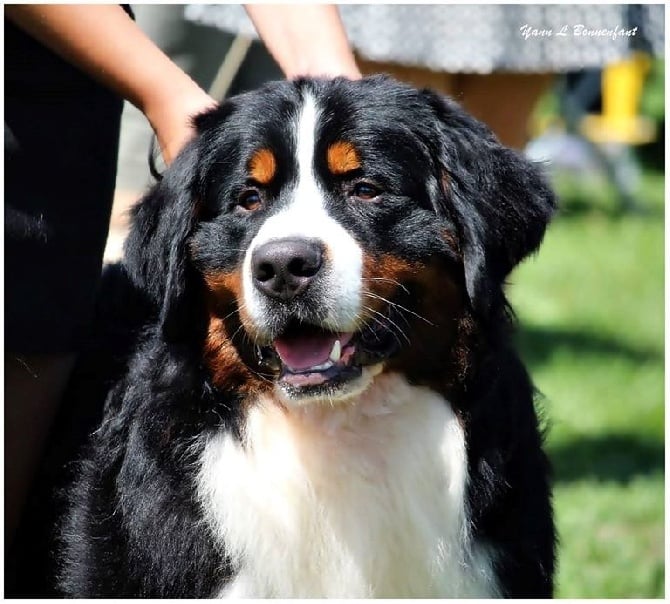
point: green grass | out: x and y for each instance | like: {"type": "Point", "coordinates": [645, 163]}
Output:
{"type": "Point", "coordinates": [591, 313]}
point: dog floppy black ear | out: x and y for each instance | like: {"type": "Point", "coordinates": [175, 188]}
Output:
{"type": "Point", "coordinates": [499, 201]}
{"type": "Point", "coordinates": [156, 254]}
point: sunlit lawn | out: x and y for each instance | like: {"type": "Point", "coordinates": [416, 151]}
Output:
{"type": "Point", "coordinates": [591, 312]}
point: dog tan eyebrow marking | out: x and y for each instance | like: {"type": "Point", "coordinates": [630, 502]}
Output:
{"type": "Point", "coordinates": [342, 158]}
{"type": "Point", "coordinates": [263, 166]}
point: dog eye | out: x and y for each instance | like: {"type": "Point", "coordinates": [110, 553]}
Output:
{"type": "Point", "coordinates": [250, 200]}
{"type": "Point", "coordinates": [365, 191]}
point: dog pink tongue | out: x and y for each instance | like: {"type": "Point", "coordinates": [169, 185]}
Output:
{"type": "Point", "coordinates": [308, 350]}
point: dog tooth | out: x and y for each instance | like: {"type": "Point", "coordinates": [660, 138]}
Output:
{"type": "Point", "coordinates": [336, 352]}
{"type": "Point", "coordinates": [322, 367]}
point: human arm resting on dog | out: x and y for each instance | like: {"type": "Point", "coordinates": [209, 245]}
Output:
{"type": "Point", "coordinates": [305, 39]}
{"type": "Point", "coordinates": [104, 42]}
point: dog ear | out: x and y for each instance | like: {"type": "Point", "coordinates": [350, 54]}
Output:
{"type": "Point", "coordinates": [499, 201]}
{"type": "Point", "coordinates": [156, 254]}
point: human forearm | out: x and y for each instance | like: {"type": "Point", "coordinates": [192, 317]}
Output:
{"type": "Point", "coordinates": [305, 39]}
{"type": "Point", "coordinates": [106, 44]}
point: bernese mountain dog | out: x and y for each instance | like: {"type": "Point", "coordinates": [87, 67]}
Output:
{"type": "Point", "coordinates": [320, 396]}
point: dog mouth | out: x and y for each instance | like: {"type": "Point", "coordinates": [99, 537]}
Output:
{"type": "Point", "coordinates": [311, 360]}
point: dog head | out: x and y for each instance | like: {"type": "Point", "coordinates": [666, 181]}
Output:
{"type": "Point", "coordinates": [317, 233]}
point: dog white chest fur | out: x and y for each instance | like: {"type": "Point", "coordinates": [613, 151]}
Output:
{"type": "Point", "coordinates": [366, 499]}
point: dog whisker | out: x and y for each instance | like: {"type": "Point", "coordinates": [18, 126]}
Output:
{"type": "Point", "coordinates": [400, 285]}
{"type": "Point", "coordinates": [398, 306]}
{"type": "Point", "coordinates": [383, 317]}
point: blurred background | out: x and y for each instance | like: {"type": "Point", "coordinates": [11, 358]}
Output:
{"type": "Point", "coordinates": [590, 304]}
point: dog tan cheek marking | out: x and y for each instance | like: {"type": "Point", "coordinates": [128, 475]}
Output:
{"type": "Point", "coordinates": [227, 369]}
{"type": "Point", "coordinates": [382, 277]}
{"type": "Point", "coordinates": [342, 157]}
{"type": "Point", "coordinates": [447, 340]}
{"type": "Point", "coordinates": [441, 332]}
{"type": "Point", "coordinates": [225, 290]}
{"type": "Point", "coordinates": [225, 284]}
{"type": "Point", "coordinates": [263, 166]}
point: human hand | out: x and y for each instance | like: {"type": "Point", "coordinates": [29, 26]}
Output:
{"type": "Point", "coordinates": [171, 117]}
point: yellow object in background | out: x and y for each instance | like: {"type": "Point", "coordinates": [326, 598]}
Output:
{"type": "Point", "coordinates": [622, 84]}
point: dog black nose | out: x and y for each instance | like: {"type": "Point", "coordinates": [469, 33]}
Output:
{"type": "Point", "coordinates": [283, 268]}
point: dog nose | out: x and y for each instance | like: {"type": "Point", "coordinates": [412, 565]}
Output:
{"type": "Point", "coordinates": [284, 268]}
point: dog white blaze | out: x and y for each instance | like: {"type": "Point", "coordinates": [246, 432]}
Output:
{"type": "Point", "coordinates": [306, 216]}
{"type": "Point", "coordinates": [362, 500]}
